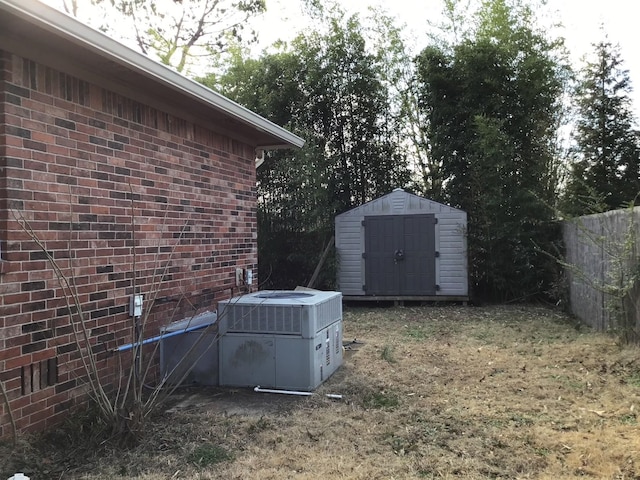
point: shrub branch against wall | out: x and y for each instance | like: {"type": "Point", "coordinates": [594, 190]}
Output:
{"type": "Point", "coordinates": [67, 135]}
{"type": "Point", "coordinates": [125, 400]}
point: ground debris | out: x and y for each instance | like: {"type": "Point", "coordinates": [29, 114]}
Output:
{"type": "Point", "coordinates": [474, 392]}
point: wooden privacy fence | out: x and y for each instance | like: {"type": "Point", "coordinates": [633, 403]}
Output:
{"type": "Point", "coordinates": [602, 266]}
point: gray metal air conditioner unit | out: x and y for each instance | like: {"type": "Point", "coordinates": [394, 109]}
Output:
{"type": "Point", "coordinates": [282, 339]}
{"type": "Point", "coordinates": [189, 351]}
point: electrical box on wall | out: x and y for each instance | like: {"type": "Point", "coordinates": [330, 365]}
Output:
{"type": "Point", "coordinates": [135, 305]}
{"type": "Point", "coordinates": [244, 277]}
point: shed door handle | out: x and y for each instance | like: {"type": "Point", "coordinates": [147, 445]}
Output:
{"type": "Point", "coordinates": [399, 255]}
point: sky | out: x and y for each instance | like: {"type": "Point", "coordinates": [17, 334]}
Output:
{"type": "Point", "coordinates": [581, 20]}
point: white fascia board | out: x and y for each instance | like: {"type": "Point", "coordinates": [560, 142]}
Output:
{"type": "Point", "coordinates": [62, 24]}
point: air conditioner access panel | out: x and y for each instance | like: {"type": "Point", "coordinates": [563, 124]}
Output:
{"type": "Point", "coordinates": [280, 361]}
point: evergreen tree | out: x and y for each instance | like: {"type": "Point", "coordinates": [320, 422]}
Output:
{"type": "Point", "coordinates": [493, 103]}
{"type": "Point", "coordinates": [605, 172]}
{"type": "Point", "coordinates": [329, 88]}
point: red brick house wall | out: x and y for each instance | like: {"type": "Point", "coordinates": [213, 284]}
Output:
{"type": "Point", "coordinates": [74, 159]}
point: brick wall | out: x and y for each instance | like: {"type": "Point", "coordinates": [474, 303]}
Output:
{"type": "Point", "coordinates": [75, 160]}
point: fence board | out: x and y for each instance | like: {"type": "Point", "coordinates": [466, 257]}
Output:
{"type": "Point", "coordinates": [596, 253]}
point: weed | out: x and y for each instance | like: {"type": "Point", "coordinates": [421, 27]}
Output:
{"type": "Point", "coordinates": [496, 423]}
{"type": "Point", "coordinates": [209, 454]}
{"type": "Point", "coordinates": [634, 380]}
{"type": "Point", "coordinates": [542, 452]}
{"type": "Point", "coordinates": [485, 334]}
{"type": "Point", "coordinates": [381, 400]}
{"type": "Point", "coordinates": [569, 383]}
{"type": "Point", "coordinates": [427, 474]}
{"type": "Point", "coordinates": [402, 445]}
{"type": "Point", "coordinates": [387, 354]}
{"type": "Point", "coordinates": [629, 419]}
{"type": "Point", "coordinates": [521, 421]}
{"type": "Point", "coordinates": [259, 426]}
{"type": "Point", "coordinates": [416, 333]}
{"type": "Point", "coordinates": [430, 432]}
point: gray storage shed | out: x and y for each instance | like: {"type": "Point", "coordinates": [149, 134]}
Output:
{"type": "Point", "coordinates": [402, 247]}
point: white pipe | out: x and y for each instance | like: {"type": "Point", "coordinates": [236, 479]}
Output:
{"type": "Point", "coordinates": [285, 392]}
{"type": "Point", "coordinates": [294, 392]}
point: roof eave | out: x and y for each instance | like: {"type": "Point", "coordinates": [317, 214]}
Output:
{"type": "Point", "coordinates": [55, 21]}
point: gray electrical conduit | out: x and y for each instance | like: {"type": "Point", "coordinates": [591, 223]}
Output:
{"type": "Point", "coordinates": [203, 320]}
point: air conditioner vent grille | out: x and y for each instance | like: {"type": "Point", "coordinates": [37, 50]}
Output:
{"type": "Point", "coordinates": [264, 319]}
{"type": "Point", "coordinates": [328, 313]}
{"type": "Point", "coordinates": [279, 314]}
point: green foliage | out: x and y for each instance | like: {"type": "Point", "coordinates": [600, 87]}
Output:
{"type": "Point", "coordinates": [331, 90]}
{"type": "Point", "coordinates": [259, 425]}
{"type": "Point", "coordinates": [634, 379]}
{"type": "Point", "coordinates": [605, 171]}
{"type": "Point", "coordinates": [209, 454]}
{"type": "Point", "coordinates": [387, 354]}
{"type": "Point", "coordinates": [381, 400]}
{"type": "Point", "coordinates": [403, 117]}
{"type": "Point", "coordinates": [417, 332]}
{"type": "Point", "coordinates": [288, 258]}
{"type": "Point", "coordinates": [629, 419]}
{"type": "Point", "coordinates": [493, 104]}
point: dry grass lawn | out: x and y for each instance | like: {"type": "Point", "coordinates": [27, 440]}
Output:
{"type": "Point", "coordinates": [429, 392]}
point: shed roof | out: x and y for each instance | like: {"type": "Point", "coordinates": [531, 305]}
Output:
{"type": "Point", "coordinates": [399, 202]}
{"type": "Point", "coordinates": [40, 33]}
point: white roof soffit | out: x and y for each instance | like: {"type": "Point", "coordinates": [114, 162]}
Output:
{"type": "Point", "coordinates": [65, 26]}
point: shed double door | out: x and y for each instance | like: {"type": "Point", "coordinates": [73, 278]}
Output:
{"type": "Point", "coordinates": [400, 254]}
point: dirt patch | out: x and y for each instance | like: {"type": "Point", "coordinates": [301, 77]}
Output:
{"type": "Point", "coordinates": [232, 401]}
{"type": "Point", "coordinates": [428, 392]}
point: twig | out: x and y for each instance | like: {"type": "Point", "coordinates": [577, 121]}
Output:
{"type": "Point", "coordinates": [12, 419]}
{"type": "Point", "coordinates": [74, 309]}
